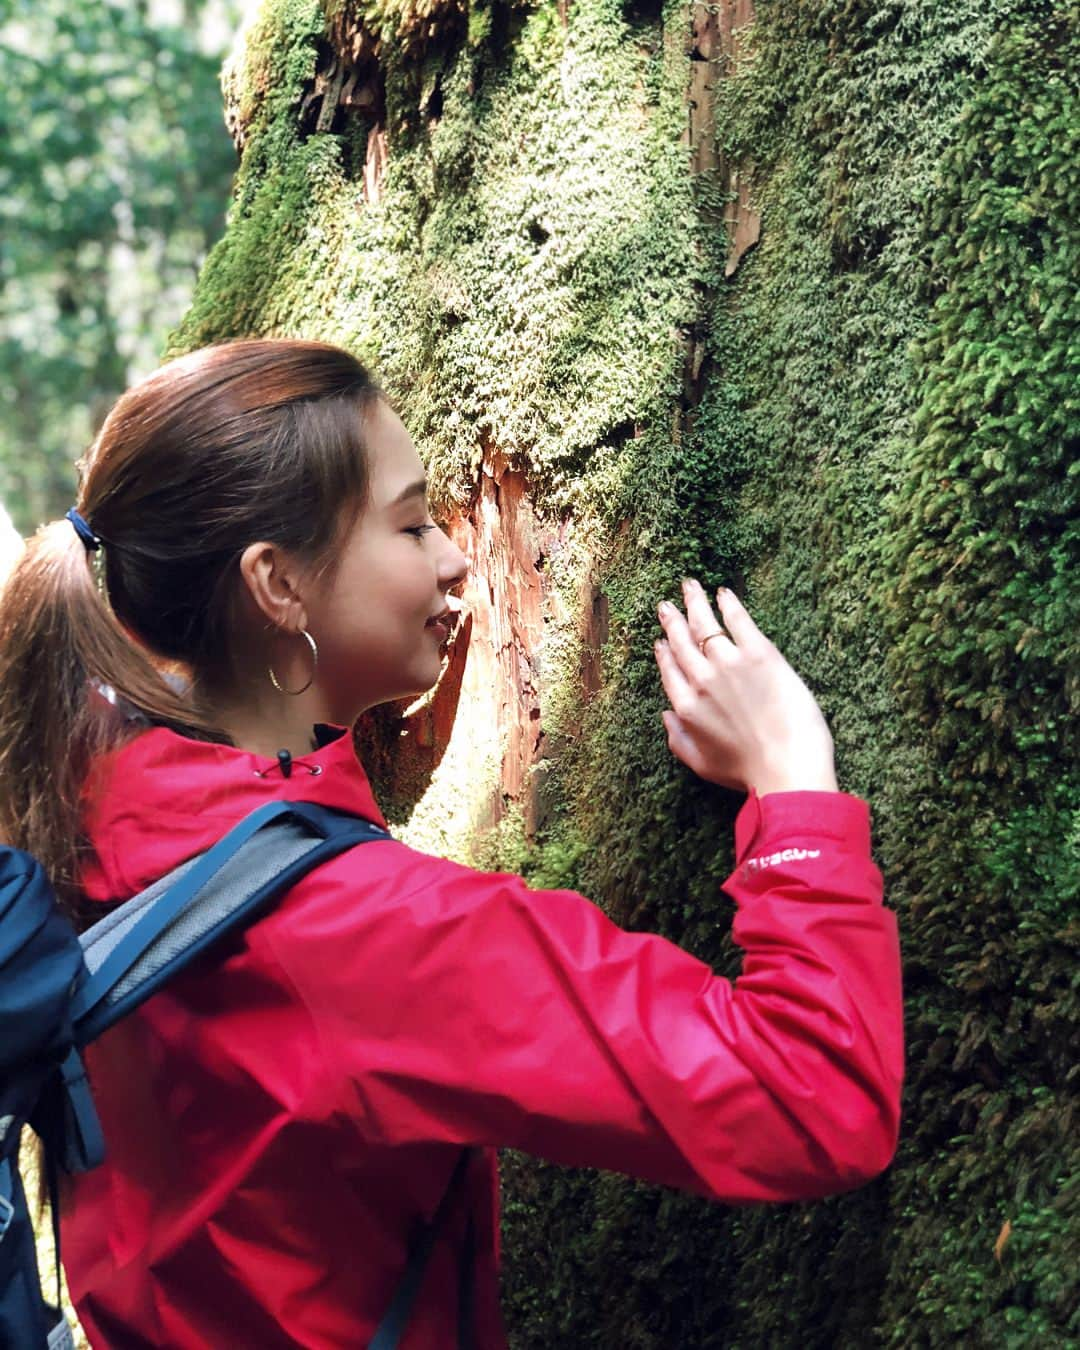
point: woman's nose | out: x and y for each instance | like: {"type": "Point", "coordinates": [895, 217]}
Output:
{"type": "Point", "coordinates": [454, 566]}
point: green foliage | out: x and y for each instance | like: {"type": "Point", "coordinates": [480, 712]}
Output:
{"type": "Point", "coordinates": [875, 455]}
{"type": "Point", "coordinates": [114, 173]}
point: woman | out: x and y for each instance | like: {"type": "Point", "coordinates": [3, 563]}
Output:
{"type": "Point", "coordinates": [281, 1116]}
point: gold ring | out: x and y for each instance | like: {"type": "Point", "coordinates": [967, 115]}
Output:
{"type": "Point", "coordinates": [708, 638]}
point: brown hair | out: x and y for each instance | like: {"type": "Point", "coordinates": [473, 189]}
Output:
{"type": "Point", "coordinates": [256, 439]}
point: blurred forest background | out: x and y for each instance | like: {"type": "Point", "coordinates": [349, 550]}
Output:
{"type": "Point", "coordinates": [115, 172]}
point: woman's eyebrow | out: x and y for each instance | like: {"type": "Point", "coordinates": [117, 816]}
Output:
{"type": "Point", "coordinates": [417, 489]}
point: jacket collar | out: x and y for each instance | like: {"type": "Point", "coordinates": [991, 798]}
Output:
{"type": "Point", "coordinates": [162, 797]}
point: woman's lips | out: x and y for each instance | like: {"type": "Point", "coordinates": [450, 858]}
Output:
{"type": "Point", "coordinates": [444, 624]}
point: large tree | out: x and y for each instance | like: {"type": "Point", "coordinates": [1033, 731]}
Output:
{"type": "Point", "coordinates": [785, 300]}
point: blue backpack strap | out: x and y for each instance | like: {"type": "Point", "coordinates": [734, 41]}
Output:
{"type": "Point", "coordinates": [466, 1287]}
{"type": "Point", "coordinates": [389, 1330]}
{"type": "Point", "coordinates": [140, 946]}
{"type": "Point", "coordinates": [67, 1120]}
{"type": "Point", "coordinates": [158, 918]}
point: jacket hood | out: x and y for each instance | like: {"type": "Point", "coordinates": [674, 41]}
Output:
{"type": "Point", "coordinates": [162, 797]}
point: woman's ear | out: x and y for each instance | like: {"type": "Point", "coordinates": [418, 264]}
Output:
{"type": "Point", "coordinates": [272, 583]}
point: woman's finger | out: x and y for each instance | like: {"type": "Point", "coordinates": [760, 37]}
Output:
{"type": "Point", "coordinates": [699, 613]}
{"type": "Point", "coordinates": [693, 665]}
{"type": "Point", "coordinates": [674, 681]}
{"type": "Point", "coordinates": [707, 763]}
{"type": "Point", "coordinates": [681, 744]}
{"type": "Point", "coordinates": [737, 621]}
{"type": "Point", "coordinates": [703, 622]}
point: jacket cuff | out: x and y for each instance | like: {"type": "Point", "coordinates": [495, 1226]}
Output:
{"type": "Point", "coordinates": [780, 816]}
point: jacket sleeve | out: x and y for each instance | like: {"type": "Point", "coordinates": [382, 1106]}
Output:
{"type": "Point", "coordinates": [463, 1007]}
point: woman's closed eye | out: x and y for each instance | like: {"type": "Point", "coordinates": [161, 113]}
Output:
{"type": "Point", "coordinates": [418, 531]}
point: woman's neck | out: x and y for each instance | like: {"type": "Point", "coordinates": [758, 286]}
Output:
{"type": "Point", "coordinates": [265, 724]}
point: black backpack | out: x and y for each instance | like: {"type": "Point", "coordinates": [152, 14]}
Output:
{"type": "Point", "coordinates": [59, 991]}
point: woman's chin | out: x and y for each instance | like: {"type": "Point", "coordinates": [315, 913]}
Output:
{"type": "Point", "coordinates": [407, 684]}
{"type": "Point", "coordinates": [412, 689]}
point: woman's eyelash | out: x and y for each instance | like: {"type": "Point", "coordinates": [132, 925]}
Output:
{"type": "Point", "coordinates": [420, 530]}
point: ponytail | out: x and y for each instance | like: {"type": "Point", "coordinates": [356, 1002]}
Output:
{"type": "Point", "coordinates": [63, 658]}
{"type": "Point", "coordinates": [242, 441]}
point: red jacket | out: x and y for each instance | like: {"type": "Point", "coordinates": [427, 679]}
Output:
{"type": "Point", "coordinates": [280, 1115]}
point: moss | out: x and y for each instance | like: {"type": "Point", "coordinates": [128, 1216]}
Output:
{"type": "Point", "coordinates": [876, 460]}
{"type": "Point", "coordinates": [900, 616]}
{"type": "Point", "coordinates": [275, 59]}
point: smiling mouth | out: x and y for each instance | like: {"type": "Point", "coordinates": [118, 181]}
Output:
{"type": "Point", "coordinates": [447, 621]}
{"type": "Point", "coordinates": [443, 626]}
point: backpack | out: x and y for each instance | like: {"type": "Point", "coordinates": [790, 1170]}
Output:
{"type": "Point", "coordinates": [59, 991]}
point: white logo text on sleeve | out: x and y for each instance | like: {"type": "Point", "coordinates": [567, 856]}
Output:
{"type": "Point", "coordinates": [753, 865]}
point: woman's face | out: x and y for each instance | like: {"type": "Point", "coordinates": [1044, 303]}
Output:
{"type": "Point", "coordinates": [374, 614]}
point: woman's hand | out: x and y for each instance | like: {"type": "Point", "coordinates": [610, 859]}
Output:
{"type": "Point", "coordinates": [739, 716]}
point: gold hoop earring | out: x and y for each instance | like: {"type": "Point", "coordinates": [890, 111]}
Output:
{"type": "Point", "coordinates": [314, 667]}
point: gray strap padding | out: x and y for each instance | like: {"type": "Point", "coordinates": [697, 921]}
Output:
{"type": "Point", "coordinates": [257, 862]}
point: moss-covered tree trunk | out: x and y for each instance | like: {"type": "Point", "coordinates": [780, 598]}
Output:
{"type": "Point", "coordinates": [784, 300]}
